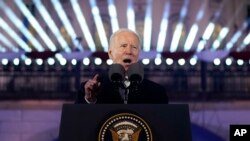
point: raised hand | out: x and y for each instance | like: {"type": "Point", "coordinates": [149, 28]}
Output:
{"type": "Point", "coordinates": [92, 88]}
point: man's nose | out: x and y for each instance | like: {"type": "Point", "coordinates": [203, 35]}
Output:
{"type": "Point", "coordinates": [128, 50]}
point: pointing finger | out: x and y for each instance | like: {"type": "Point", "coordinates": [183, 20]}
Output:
{"type": "Point", "coordinates": [96, 77]}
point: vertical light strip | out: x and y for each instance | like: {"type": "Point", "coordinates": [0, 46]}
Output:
{"type": "Point", "coordinates": [50, 22]}
{"type": "Point", "coordinates": [163, 28]}
{"type": "Point", "coordinates": [224, 31]}
{"type": "Point", "coordinates": [7, 43]}
{"type": "Point", "coordinates": [245, 42]}
{"type": "Point", "coordinates": [63, 17]}
{"type": "Point", "coordinates": [99, 24]}
{"type": "Point", "coordinates": [18, 23]}
{"type": "Point", "coordinates": [131, 16]}
{"type": "Point", "coordinates": [236, 36]}
{"type": "Point", "coordinates": [36, 25]}
{"type": "Point", "coordinates": [113, 15]}
{"type": "Point", "coordinates": [191, 36]}
{"type": "Point", "coordinates": [194, 29]}
{"type": "Point", "coordinates": [176, 37]}
{"type": "Point", "coordinates": [13, 34]}
{"type": "Point", "coordinates": [210, 28]}
{"type": "Point", "coordinates": [2, 49]}
{"type": "Point", "coordinates": [179, 27]}
{"type": "Point", "coordinates": [207, 34]}
{"type": "Point", "coordinates": [147, 27]}
{"type": "Point", "coordinates": [83, 25]}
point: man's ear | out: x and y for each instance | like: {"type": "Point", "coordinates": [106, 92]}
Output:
{"type": "Point", "coordinates": [110, 54]}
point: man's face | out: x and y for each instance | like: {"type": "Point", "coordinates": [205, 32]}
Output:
{"type": "Point", "coordinates": [125, 50]}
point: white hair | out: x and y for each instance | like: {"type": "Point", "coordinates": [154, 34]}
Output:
{"type": "Point", "coordinates": [114, 35]}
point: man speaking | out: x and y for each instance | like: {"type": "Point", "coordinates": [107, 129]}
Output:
{"type": "Point", "coordinates": [124, 83]}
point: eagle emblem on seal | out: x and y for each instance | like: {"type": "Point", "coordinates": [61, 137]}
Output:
{"type": "Point", "coordinates": [125, 127]}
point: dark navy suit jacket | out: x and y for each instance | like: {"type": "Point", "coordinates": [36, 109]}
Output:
{"type": "Point", "coordinates": [148, 92]}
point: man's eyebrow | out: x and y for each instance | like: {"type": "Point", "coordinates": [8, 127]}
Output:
{"type": "Point", "coordinates": [123, 43]}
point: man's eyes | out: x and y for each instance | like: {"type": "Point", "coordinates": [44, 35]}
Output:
{"type": "Point", "coordinates": [125, 45]}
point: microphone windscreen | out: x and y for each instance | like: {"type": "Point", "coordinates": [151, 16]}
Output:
{"type": "Point", "coordinates": [136, 72]}
{"type": "Point", "coordinates": [116, 73]}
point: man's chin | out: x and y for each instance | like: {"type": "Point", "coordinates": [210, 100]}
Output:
{"type": "Point", "coordinates": [126, 66]}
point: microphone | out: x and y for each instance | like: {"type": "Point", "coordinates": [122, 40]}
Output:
{"type": "Point", "coordinates": [117, 74]}
{"type": "Point", "coordinates": [135, 75]}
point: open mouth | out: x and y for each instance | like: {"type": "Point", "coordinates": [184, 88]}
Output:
{"type": "Point", "coordinates": [127, 61]}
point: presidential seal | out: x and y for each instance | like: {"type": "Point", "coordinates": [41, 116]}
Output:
{"type": "Point", "coordinates": [125, 127]}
